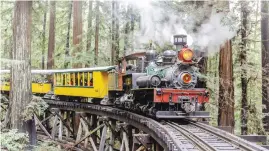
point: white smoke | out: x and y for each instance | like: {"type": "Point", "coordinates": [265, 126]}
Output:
{"type": "Point", "coordinates": [160, 24]}
{"type": "Point", "coordinates": [212, 34]}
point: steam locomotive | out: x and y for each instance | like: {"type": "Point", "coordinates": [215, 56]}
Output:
{"type": "Point", "coordinates": [162, 85]}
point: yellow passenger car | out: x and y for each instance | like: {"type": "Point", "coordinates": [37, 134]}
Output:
{"type": "Point", "coordinates": [83, 82]}
{"type": "Point", "coordinates": [39, 83]}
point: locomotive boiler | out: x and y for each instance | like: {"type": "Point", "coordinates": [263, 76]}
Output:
{"type": "Point", "coordinates": [162, 85]}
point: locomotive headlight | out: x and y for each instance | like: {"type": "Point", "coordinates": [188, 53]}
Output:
{"type": "Point", "coordinates": [186, 78]}
{"type": "Point", "coordinates": [185, 54]}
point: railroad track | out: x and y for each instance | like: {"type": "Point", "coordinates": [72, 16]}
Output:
{"type": "Point", "coordinates": [201, 137]}
{"type": "Point", "coordinates": [183, 136]}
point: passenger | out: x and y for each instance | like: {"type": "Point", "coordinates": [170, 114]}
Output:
{"type": "Point", "coordinates": [86, 79]}
{"type": "Point", "coordinates": [91, 82]}
{"type": "Point", "coordinates": [76, 79]}
{"type": "Point", "coordinates": [81, 79]}
{"type": "Point", "coordinates": [72, 82]}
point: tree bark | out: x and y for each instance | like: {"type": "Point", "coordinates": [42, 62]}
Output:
{"type": "Point", "coordinates": [89, 35]}
{"type": "Point", "coordinates": [77, 31]}
{"type": "Point", "coordinates": [226, 88]}
{"type": "Point", "coordinates": [113, 47]}
{"type": "Point", "coordinates": [132, 28]}
{"type": "Point", "coordinates": [126, 31]}
{"type": "Point", "coordinates": [117, 34]}
{"type": "Point", "coordinates": [20, 94]}
{"type": "Point", "coordinates": [265, 61]}
{"type": "Point", "coordinates": [44, 36]}
{"type": "Point", "coordinates": [51, 45]}
{"type": "Point", "coordinates": [67, 45]}
{"type": "Point", "coordinates": [96, 33]}
{"type": "Point", "coordinates": [243, 62]}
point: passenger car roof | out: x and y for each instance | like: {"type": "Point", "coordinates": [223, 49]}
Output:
{"type": "Point", "coordinates": [42, 72]}
{"type": "Point", "coordinates": [105, 68]}
{"type": "Point", "coordinates": [48, 72]}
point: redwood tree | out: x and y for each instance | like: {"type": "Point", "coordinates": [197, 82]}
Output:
{"type": "Point", "coordinates": [44, 35]}
{"type": "Point", "coordinates": [265, 61]}
{"type": "Point", "coordinates": [89, 34]}
{"type": "Point", "coordinates": [243, 62]}
{"type": "Point", "coordinates": [77, 31]}
{"type": "Point", "coordinates": [113, 43]}
{"type": "Point", "coordinates": [226, 88]}
{"type": "Point", "coordinates": [97, 22]}
{"type": "Point", "coordinates": [51, 45]}
{"type": "Point", "coordinates": [20, 94]}
{"type": "Point", "coordinates": [117, 48]}
{"type": "Point", "coordinates": [126, 30]}
{"type": "Point", "coordinates": [67, 45]}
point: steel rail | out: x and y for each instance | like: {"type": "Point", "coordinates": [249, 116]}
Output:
{"type": "Point", "coordinates": [155, 129]}
{"type": "Point", "coordinates": [227, 137]}
{"type": "Point", "coordinates": [196, 141]}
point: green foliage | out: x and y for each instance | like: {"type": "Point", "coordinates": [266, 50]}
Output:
{"type": "Point", "coordinates": [36, 106]}
{"type": "Point", "coordinates": [46, 146]}
{"type": "Point", "coordinates": [13, 140]}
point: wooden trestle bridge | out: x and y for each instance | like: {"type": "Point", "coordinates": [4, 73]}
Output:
{"type": "Point", "coordinates": [90, 127]}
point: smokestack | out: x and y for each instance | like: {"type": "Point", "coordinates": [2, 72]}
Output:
{"type": "Point", "coordinates": [180, 41]}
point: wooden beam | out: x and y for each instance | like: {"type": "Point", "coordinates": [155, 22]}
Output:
{"type": "Point", "coordinates": [42, 127]}
{"type": "Point", "coordinates": [65, 124]}
{"type": "Point", "coordinates": [92, 143]}
{"type": "Point", "coordinates": [79, 132]}
{"type": "Point", "coordinates": [90, 133]}
{"type": "Point", "coordinates": [103, 138]}
{"type": "Point", "coordinates": [47, 118]}
{"type": "Point", "coordinates": [60, 135]}
{"type": "Point", "coordinates": [124, 143]}
{"type": "Point", "coordinates": [85, 120]}
{"type": "Point", "coordinates": [53, 131]}
{"type": "Point", "coordinates": [94, 125]}
{"type": "Point", "coordinates": [112, 135]}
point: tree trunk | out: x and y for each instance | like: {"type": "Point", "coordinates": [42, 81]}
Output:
{"type": "Point", "coordinates": [113, 47]}
{"type": "Point", "coordinates": [44, 36]}
{"type": "Point", "coordinates": [51, 45]}
{"type": "Point", "coordinates": [265, 61]}
{"type": "Point", "coordinates": [126, 31]}
{"type": "Point", "coordinates": [117, 33]}
{"type": "Point", "coordinates": [20, 94]}
{"type": "Point", "coordinates": [132, 28]}
{"type": "Point", "coordinates": [226, 89]}
{"type": "Point", "coordinates": [77, 32]}
{"type": "Point", "coordinates": [243, 62]}
{"type": "Point", "coordinates": [96, 33]}
{"type": "Point", "coordinates": [89, 35]}
{"type": "Point", "coordinates": [67, 45]}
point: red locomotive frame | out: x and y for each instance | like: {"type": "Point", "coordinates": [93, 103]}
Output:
{"type": "Point", "coordinates": [164, 95]}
